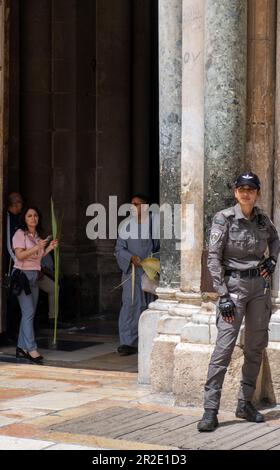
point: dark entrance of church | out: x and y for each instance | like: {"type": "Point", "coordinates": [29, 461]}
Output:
{"type": "Point", "coordinates": [83, 125]}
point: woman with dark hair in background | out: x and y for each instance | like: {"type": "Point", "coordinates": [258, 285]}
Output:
{"type": "Point", "coordinates": [29, 250]}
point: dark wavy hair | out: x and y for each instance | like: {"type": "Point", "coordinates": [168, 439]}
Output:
{"type": "Point", "coordinates": [39, 228]}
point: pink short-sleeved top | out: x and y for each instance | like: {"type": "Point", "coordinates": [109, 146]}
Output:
{"type": "Point", "coordinates": [22, 239]}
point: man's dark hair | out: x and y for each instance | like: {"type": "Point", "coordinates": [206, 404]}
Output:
{"type": "Point", "coordinates": [39, 228]}
{"type": "Point", "coordinates": [141, 196]}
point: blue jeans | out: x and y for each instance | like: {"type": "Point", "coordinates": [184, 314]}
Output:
{"type": "Point", "coordinates": [28, 305]}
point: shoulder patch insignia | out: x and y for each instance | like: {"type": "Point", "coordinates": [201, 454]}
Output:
{"type": "Point", "coordinates": [219, 221]}
{"type": "Point", "coordinates": [215, 237]}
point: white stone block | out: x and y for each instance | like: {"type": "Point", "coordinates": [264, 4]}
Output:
{"type": "Point", "coordinates": [195, 333]}
{"type": "Point", "coordinates": [274, 332]}
{"type": "Point", "coordinates": [201, 319]}
{"type": "Point", "coordinates": [213, 319]}
{"type": "Point", "coordinates": [147, 329]}
{"type": "Point", "coordinates": [275, 318]}
{"type": "Point", "coordinates": [171, 325]}
{"type": "Point", "coordinates": [162, 362]}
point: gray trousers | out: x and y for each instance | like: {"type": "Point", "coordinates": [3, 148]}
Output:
{"type": "Point", "coordinates": [254, 304]}
{"type": "Point", "coordinates": [130, 313]}
{"type": "Point", "coordinates": [28, 305]}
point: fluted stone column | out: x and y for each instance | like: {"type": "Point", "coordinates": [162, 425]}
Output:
{"type": "Point", "coordinates": [170, 104]}
{"type": "Point", "coordinates": [225, 101]}
{"type": "Point", "coordinates": [261, 95]}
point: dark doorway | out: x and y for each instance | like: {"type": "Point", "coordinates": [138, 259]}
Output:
{"type": "Point", "coordinates": [84, 125]}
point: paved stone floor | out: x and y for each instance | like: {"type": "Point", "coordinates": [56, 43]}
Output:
{"type": "Point", "coordinates": [51, 408]}
{"type": "Point", "coordinates": [81, 348]}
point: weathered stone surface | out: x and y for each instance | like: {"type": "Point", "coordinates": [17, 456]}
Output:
{"type": "Point", "coordinates": [195, 333]}
{"type": "Point", "coordinates": [261, 94]}
{"type": "Point", "coordinates": [168, 325]}
{"type": "Point", "coordinates": [225, 101]}
{"type": "Point", "coordinates": [271, 383]}
{"type": "Point", "coordinates": [274, 331]}
{"type": "Point", "coordinates": [147, 329]}
{"type": "Point", "coordinates": [192, 143]}
{"type": "Point", "coordinates": [170, 104]}
{"type": "Point", "coordinates": [162, 362]}
{"type": "Point", "coordinates": [190, 371]}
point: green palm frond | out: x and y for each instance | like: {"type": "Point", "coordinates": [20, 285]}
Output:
{"type": "Point", "coordinates": [56, 233]}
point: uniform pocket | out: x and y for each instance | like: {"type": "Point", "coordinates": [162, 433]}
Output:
{"type": "Point", "coordinates": [237, 235]}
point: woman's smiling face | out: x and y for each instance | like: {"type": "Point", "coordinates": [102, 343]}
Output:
{"type": "Point", "coordinates": [246, 195]}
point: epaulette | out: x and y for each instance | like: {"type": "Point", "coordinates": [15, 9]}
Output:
{"type": "Point", "coordinates": [222, 216]}
{"type": "Point", "coordinates": [228, 212]}
{"type": "Point", "coordinates": [262, 215]}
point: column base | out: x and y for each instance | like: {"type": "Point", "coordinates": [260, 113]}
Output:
{"type": "Point", "coordinates": [148, 330]}
{"type": "Point", "coordinates": [190, 371]}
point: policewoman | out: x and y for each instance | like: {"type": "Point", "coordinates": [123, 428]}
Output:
{"type": "Point", "coordinates": [241, 276]}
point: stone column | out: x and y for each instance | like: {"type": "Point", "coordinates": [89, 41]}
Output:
{"type": "Point", "coordinates": [170, 101]}
{"type": "Point", "coordinates": [192, 167]}
{"type": "Point", "coordinates": [225, 101]}
{"type": "Point", "coordinates": [170, 96]}
{"type": "Point", "coordinates": [261, 94]}
{"type": "Point", "coordinates": [4, 123]}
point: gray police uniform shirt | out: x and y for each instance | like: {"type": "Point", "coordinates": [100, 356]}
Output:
{"type": "Point", "coordinates": [239, 243]}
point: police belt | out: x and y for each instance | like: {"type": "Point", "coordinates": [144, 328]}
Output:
{"type": "Point", "coordinates": [254, 272]}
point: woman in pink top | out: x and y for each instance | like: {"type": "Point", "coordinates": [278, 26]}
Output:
{"type": "Point", "coordinates": [29, 250]}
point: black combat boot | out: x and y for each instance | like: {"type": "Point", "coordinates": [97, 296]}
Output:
{"type": "Point", "coordinates": [209, 421]}
{"type": "Point", "coordinates": [246, 410]}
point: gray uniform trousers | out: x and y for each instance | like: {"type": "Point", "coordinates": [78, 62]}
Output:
{"type": "Point", "coordinates": [254, 304]}
{"type": "Point", "coordinates": [28, 305]}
